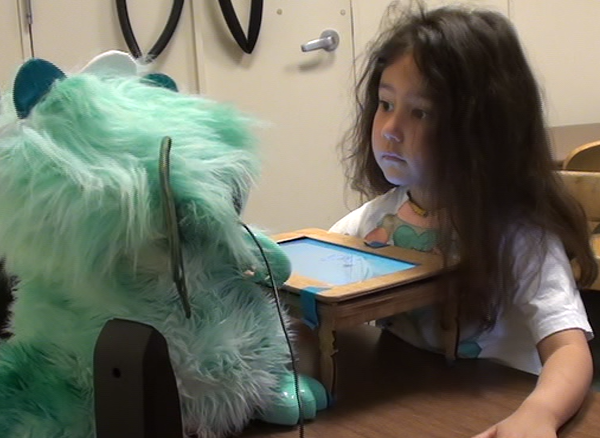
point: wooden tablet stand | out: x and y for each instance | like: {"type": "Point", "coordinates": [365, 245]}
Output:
{"type": "Point", "coordinates": [327, 308]}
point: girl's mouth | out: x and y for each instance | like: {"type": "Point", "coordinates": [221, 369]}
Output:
{"type": "Point", "coordinates": [391, 157]}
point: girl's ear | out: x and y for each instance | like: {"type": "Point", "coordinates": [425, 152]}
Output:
{"type": "Point", "coordinates": [33, 81]}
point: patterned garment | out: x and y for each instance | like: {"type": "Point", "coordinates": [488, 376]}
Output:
{"type": "Point", "coordinates": [406, 229]}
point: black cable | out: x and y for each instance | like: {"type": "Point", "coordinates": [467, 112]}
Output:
{"type": "Point", "coordinates": [256, 13]}
{"type": "Point", "coordinates": [285, 332]}
{"type": "Point", "coordinates": [246, 43]}
{"type": "Point", "coordinates": [168, 31]}
{"type": "Point", "coordinates": [162, 41]}
{"type": "Point", "coordinates": [127, 30]}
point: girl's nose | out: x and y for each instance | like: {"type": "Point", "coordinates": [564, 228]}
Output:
{"type": "Point", "coordinates": [392, 130]}
{"type": "Point", "coordinates": [389, 136]}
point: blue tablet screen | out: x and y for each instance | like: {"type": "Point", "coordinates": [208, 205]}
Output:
{"type": "Point", "coordinates": [335, 264]}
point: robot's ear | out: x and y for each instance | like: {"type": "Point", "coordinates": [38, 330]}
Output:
{"type": "Point", "coordinates": [33, 81]}
{"type": "Point", "coordinates": [112, 63]}
{"type": "Point", "coordinates": [161, 80]}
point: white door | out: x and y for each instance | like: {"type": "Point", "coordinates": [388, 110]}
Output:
{"type": "Point", "coordinates": [302, 98]}
{"type": "Point", "coordinates": [11, 51]}
{"type": "Point", "coordinates": [70, 32]}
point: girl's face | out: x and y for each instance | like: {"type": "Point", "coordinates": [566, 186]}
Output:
{"type": "Point", "coordinates": [402, 124]}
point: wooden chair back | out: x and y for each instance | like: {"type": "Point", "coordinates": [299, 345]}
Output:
{"type": "Point", "coordinates": [584, 158]}
{"type": "Point", "coordinates": [585, 187]}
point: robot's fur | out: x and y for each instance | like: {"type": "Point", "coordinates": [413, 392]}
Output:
{"type": "Point", "coordinates": [81, 225]}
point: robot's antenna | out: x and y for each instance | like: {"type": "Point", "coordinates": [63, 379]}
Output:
{"type": "Point", "coordinates": [172, 223]}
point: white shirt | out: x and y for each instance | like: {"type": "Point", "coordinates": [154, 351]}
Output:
{"type": "Point", "coordinates": [546, 301]}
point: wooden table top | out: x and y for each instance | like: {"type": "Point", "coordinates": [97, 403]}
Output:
{"type": "Point", "coordinates": [387, 388]}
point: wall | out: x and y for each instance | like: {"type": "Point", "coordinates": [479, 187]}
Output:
{"type": "Point", "coordinates": [562, 41]}
{"type": "Point", "coordinates": [304, 100]}
{"type": "Point", "coordinates": [70, 32]}
{"type": "Point", "coordinates": [299, 98]}
{"type": "Point", "coordinates": [11, 50]}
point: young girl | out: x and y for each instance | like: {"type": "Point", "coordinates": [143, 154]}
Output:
{"type": "Point", "coordinates": [451, 144]}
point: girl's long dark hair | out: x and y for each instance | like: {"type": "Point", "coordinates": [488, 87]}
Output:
{"type": "Point", "coordinates": [489, 155]}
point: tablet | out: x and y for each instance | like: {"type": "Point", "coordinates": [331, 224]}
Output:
{"type": "Point", "coordinates": [337, 267]}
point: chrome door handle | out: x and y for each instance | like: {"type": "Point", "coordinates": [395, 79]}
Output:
{"type": "Point", "coordinates": [328, 41]}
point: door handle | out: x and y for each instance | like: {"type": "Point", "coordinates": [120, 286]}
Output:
{"type": "Point", "coordinates": [328, 41]}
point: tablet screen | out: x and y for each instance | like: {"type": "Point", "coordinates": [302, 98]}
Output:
{"type": "Point", "coordinates": [337, 265]}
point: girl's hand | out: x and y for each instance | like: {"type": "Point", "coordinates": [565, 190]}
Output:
{"type": "Point", "coordinates": [560, 390]}
{"type": "Point", "coordinates": [505, 430]}
{"type": "Point", "coordinates": [520, 425]}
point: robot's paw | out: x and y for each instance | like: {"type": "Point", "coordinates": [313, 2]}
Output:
{"type": "Point", "coordinates": [284, 409]}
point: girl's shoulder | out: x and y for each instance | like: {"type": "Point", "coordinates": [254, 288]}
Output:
{"type": "Point", "coordinates": [539, 259]}
{"type": "Point", "coordinates": [525, 237]}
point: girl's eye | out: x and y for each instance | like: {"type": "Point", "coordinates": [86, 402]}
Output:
{"type": "Point", "coordinates": [420, 114]}
{"type": "Point", "coordinates": [385, 106]}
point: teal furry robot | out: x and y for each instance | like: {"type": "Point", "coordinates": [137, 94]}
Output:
{"type": "Point", "coordinates": [82, 225]}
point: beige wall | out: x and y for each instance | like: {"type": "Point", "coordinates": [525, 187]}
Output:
{"type": "Point", "coordinates": [300, 98]}
{"type": "Point", "coordinates": [562, 39]}
{"type": "Point", "coordinates": [70, 32]}
{"type": "Point", "coordinates": [11, 51]}
{"type": "Point", "coordinates": [304, 99]}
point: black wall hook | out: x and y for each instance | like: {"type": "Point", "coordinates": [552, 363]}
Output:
{"type": "Point", "coordinates": [246, 43]}
{"type": "Point", "coordinates": [163, 39]}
